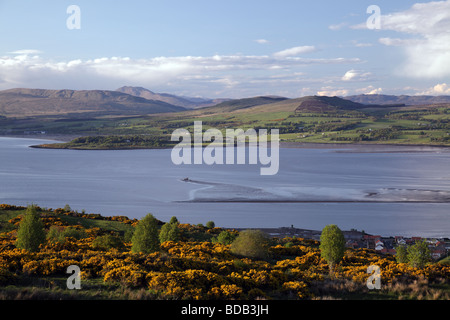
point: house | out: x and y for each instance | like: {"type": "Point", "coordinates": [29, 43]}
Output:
{"type": "Point", "coordinates": [416, 239]}
{"type": "Point", "coordinates": [352, 244]}
{"type": "Point", "coordinates": [379, 245]}
{"type": "Point", "coordinates": [388, 251]}
{"type": "Point", "coordinates": [371, 240]}
{"type": "Point", "coordinates": [438, 252]}
{"type": "Point", "coordinates": [400, 240]}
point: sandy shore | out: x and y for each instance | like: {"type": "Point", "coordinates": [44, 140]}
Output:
{"type": "Point", "coordinates": [55, 137]}
{"type": "Point", "coordinates": [365, 147]}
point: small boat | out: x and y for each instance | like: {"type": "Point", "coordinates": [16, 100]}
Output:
{"type": "Point", "coordinates": [186, 179]}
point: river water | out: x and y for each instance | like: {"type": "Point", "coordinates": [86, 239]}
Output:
{"type": "Point", "coordinates": [381, 192]}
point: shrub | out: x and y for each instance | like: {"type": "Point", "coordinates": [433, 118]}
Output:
{"type": "Point", "coordinates": [252, 244]}
{"type": "Point", "coordinates": [225, 237]}
{"type": "Point", "coordinates": [59, 234]}
{"type": "Point", "coordinates": [107, 242]}
{"type": "Point", "coordinates": [74, 233]}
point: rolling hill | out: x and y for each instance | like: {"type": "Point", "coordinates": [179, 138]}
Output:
{"type": "Point", "coordinates": [35, 102]}
{"type": "Point", "coordinates": [307, 104]}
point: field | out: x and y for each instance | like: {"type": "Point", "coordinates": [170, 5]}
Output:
{"type": "Point", "coordinates": [196, 267]}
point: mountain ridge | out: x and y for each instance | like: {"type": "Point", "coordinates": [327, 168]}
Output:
{"type": "Point", "coordinates": [181, 101]}
{"type": "Point", "coordinates": [35, 102]}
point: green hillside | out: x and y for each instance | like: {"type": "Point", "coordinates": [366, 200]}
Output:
{"type": "Point", "coordinates": [311, 119]}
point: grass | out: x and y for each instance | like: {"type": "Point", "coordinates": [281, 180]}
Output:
{"type": "Point", "coordinates": [93, 223]}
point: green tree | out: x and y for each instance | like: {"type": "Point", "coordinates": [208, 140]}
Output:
{"type": "Point", "coordinates": [210, 224]}
{"type": "Point", "coordinates": [225, 237]}
{"type": "Point", "coordinates": [169, 232]}
{"type": "Point", "coordinates": [401, 254]}
{"type": "Point", "coordinates": [31, 231]}
{"type": "Point", "coordinates": [332, 245]}
{"type": "Point", "coordinates": [252, 244]}
{"type": "Point", "coordinates": [418, 254]}
{"type": "Point", "coordinates": [173, 220]}
{"type": "Point", "coordinates": [145, 238]}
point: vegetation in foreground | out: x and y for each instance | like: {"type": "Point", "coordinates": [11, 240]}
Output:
{"type": "Point", "coordinates": [123, 258]}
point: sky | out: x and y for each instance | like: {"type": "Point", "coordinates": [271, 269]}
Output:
{"type": "Point", "coordinates": [228, 49]}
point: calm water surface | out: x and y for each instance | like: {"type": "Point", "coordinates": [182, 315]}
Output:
{"type": "Point", "coordinates": [382, 193]}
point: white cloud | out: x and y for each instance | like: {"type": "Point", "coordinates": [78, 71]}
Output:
{"type": "Point", "coordinates": [439, 89]}
{"type": "Point", "coordinates": [369, 90]}
{"type": "Point", "coordinates": [262, 41]}
{"type": "Point", "coordinates": [338, 26]}
{"type": "Point", "coordinates": [343, 92]}
{"type": "Point", "coordinates": [427, 47]}
{"type": "Point", "coordinates": [26, 51]}
{"type": "Point", "coordinates": [399, 42]}
{"type": "Point", "coordinates": [355, 75]}
{"type": "Point", "coordinates": [331, 92]}
{"type": "Point", "coordinates": [197, 74]}
{"type": "Point", "coordinates": [362, 44]}
{"type": "Point", "coordinates": [292, 52]}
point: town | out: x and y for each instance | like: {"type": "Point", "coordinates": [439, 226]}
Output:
{"type": "Point", "coordinates": [439, 247]}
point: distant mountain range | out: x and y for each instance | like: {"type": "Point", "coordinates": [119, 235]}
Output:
{"type": "Point", "coordinates": [181, 101]}
{"type": "Point", "coordinates": [140, 101]}
{"type": "Point", "coordinates": [381, 99]}
{"type": "Point", "coordinates": [35, 102]}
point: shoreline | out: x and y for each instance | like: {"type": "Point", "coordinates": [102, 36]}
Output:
{"type": "Point", "coordinates": [341, 147]}
{"type": "Point", "coordinates": [53, 137]}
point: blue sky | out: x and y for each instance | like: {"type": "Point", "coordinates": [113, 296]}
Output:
{"type": "Point", "coordinates": [228, 48]}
